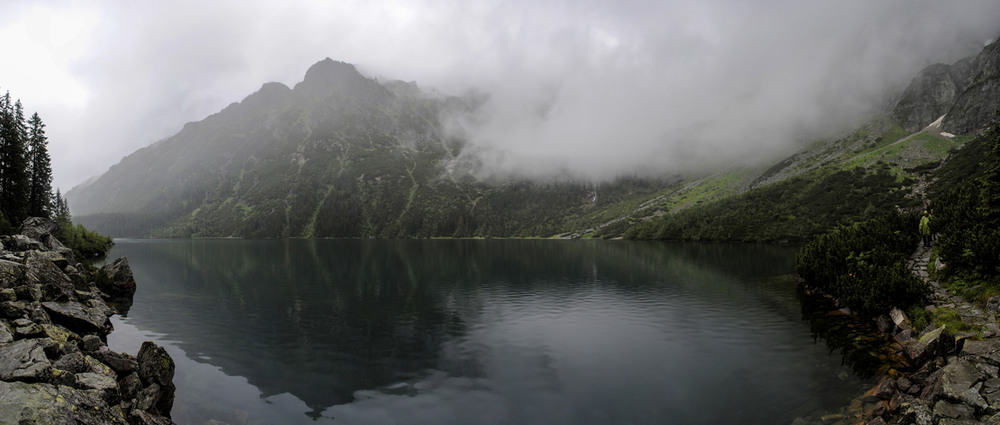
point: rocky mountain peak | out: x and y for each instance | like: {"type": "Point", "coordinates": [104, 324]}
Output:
{"type": "Point", "coordinates": [966, 92]}
{"type": "Point", "coordinates": [329, 77]}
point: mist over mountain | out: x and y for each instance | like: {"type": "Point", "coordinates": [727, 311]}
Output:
{"type": "Point", "coordinates": [345, 155]}
{"type": "Point", "coordinates": [338, 155]}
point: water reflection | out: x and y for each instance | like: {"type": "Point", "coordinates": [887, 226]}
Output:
{"type": "Point", "coordinates": [479, 331]}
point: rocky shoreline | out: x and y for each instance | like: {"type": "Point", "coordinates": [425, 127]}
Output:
{"type": "Point", "coordinates": [55, 365]}
{"type": "Point", "coordinates": [949, 379]}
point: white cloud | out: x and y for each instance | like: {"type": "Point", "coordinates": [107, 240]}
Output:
{"type": "Point", "coordinates": [599, 86]}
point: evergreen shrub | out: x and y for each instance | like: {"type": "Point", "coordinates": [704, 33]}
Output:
{"type": "Point", "coordinates": [864, 265]}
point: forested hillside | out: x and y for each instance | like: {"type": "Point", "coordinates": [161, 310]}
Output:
{"type": "Point", "coordinates": [26, 182]}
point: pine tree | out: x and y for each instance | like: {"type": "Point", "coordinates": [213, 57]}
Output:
{"type": "Point", "coordinates": [40, 191]}
{"type": "Point", "coordinates": [61, 211]}
{"type": "Point", "coordinates": [14, 179]}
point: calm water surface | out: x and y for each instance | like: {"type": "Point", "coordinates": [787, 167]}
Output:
{"type": "Point", "coordinates": [479, 332]}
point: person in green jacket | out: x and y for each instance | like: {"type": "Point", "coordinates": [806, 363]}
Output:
{"type": "Point", "coordinates": [925, 228]}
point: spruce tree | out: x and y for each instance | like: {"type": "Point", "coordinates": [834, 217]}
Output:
{"type": "Point", "coordinates": [40, 191]}
{"type": "Point", "coordinates": [14, 179]}
{"type": "Point", "coordinates": [61, 211]}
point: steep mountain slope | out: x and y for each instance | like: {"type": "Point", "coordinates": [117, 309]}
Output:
{"type": "Point", "coordinates": [338, 155]}
{"type": "Point", "coordinates": [342, 155]}
{"type": "Point", "coordinates": [885, 164]}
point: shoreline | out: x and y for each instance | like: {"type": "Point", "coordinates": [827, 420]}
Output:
{"type": "Point", "coordinates": [55, 365]}
{"type": "Point", "coordinates": [952, 379]}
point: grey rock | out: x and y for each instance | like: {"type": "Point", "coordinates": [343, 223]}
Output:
{"type": "Point", "coordinates": [130, 386]}
{"type": "Point", "coordinates": [95, 366]}
{"type": "Point", "coordinates": [157, 368]}
{"type": "Point", "coordinates": [63, 377]}
{"type": "Point", "coordinates": [145, 418]}
{"type": "Point", "coordinates": [41, 271]}
{"type": "Point", "coordinates": [119, 362]}
{"type": "Point", "coordinates": [77, 317]}
{"type": "Point", "coordinates": [37, 227]}
{"type": "Point", "coordinates": [102, 383]}
{"type": "Point", "coordinates": [5, 333]}
{"type": "Point", "coordinates": [39, 403]}
{"type": "Point", "coordinates": [993, 304]}
{"type": "Point", "coordinates": [944, 409]}
{"type": "Point", "coordinates": [120, 281]}
{"type": "Point", "coordinates": [147, 397]}
{"type": "Point", "coordinates": [14, 309]}
{"type": "Point", "coordinates": [947, 421]}
{"type": "Point", "coordinates": [958, 378]}
{"type": "Point", "coordinates": [73, 362]}
{"type": "Point", "coordinates": [987, 351]}
{"type": "Point", "coordinates": [931, 344]}
{"type": "Point", "coordinates": [928, 97]}
{"type": "Point", "coordinates": [29, 330]}
{"type": "Point", "coordinates": [916, 413]}
{"type": "Point", "coordinates": [899, 318]}
{"type": "Point", "coordinates": [91, 343]}
{"type": "Point", "coordinates": [973, 110]}
{"type": "Point", "coordinates": [41, 229]}
{"type": "Point", "coordinates": [24, 360]}
{"type": "Point", "coordinates": [23, 243]}
{"type": "Point", "coordinates": [11, 274]}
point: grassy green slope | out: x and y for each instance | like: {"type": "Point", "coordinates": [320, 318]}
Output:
{"type": "Point", "coordinates": [827, 183]}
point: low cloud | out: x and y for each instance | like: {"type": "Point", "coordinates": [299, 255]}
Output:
{"type": "Point", "coordinates": [598, 88]}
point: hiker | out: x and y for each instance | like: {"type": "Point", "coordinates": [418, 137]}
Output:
{"type": "Point", "coordinates": [925, 228]}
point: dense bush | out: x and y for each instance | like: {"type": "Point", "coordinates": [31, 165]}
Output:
{"type": "Point", "coordinates": [864, 264]}
{"type": "Point", "coordinates": [793, 210]}
{"type": "Point", "coordinates": [968, 216]}
{"type": "Point", "coordinates": [83, 242]}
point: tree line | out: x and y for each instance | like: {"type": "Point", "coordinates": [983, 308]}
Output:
{"type": "Point", "coordinates": [25, 165]}
{"type": "Point", "coordinates": [26, 180]}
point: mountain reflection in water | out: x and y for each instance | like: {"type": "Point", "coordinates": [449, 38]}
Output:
{"type": "Point", "coordinates": [479, 331]}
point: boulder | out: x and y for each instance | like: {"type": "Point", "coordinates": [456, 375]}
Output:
{"type": "Point", "coordinates": [11, 274]}
{"type": "Point", "coordinates": [957, 381]}
{"type": "Point", "coordinates": [935, 343]}
{"type": "Point", "coordinates": [78, 317]}
{"type": "Point", "coordinates": [91, 343]}
{"type": "Point", "coordinates": [899, 318]}
{"type": "Point", "coordinates": [24, 360]}
{"type": "Point", "coordinates": [42, 229]}
{"type": "Point", "coordinates": [41, 271]}
{"type": "Point", "coordinates": [73, 362]}
{"type": "Point", "coordinates": [6, 335]}
{"type": "Point", "coordinates": [106, 385]}
{"type": "Point", "coordinates": [946, 410]}
{"type": "Point", "coordinates": [37, 227]}
{"type": "Point", "coordinates": [22, 243]}
{"type": "Point", "coordinates": [916, 413]}
{"type": "Point", "coordinates": [118, 280]}
{"type": "Point", "coordinates": [24, 403]}
{"type": "Point", "coordinates": [121, 363]}
{"type": "Point", "coordinates": [156, 368]}
{"type": "Point", "coordinates": [993, 304]}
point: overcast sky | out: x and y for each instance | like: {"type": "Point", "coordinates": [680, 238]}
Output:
{"type": "Point", "coordinates": [602, 85]}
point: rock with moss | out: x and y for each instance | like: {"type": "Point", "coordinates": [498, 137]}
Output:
{"type": "Point", "coordinates": [55, 366]}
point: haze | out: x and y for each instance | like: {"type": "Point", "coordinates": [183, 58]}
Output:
{"type": "Point", "coordinates": [599, 88]}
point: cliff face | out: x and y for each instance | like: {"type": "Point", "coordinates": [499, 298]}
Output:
{"type": "Point", "coordinates": [967, 92]}
{"type": "Point", "coordinates": [55, 365]}
{"type": "Point", "coordinates": [977, 105]}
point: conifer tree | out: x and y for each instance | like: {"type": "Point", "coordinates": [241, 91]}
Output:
{"type": "Point", "coordinates": [40, 191]}
{"type": "Point", "coordinates": [61, 211]}
{"type": "Point", "coordinates": [14, 179]}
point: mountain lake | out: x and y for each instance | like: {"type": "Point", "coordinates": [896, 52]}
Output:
{"type": "Point", "coordinates": [480, 332]}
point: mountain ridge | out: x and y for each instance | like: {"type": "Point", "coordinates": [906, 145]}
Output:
{"type": "Point", "coordinates": [344, 155]}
